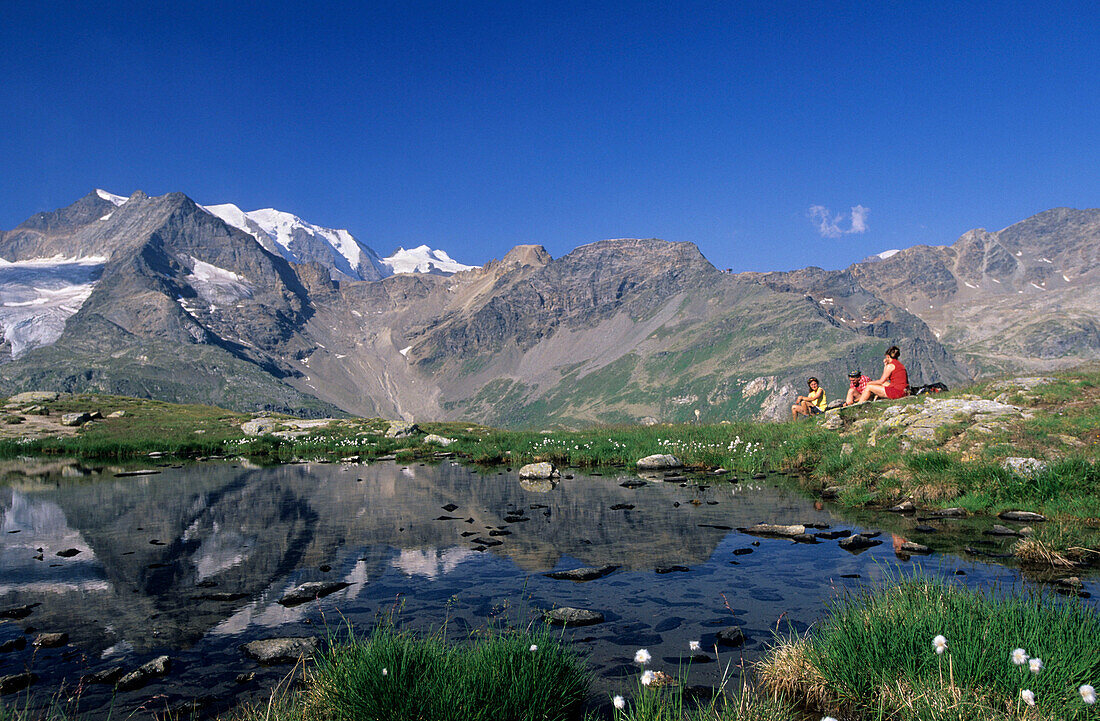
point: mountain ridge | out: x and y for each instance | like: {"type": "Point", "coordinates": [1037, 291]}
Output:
{"type": "Point", "coordinates": [614, 331]}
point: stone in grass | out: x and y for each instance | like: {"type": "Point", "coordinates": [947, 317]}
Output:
{"type": "Point", "coordinates": [75, 419]}
{"type": "Point", "coordinates": [141, 675]}
{"type": "Point", "coordinates": [567, 616]}
{"type": "Point", "coordinates": [537, 471]}
{"type": "Point", "coordinates": [858, 542]}
{"type": "Point", "coordinates": [657, 462]}
{"type": "Point", "coordinates": [309, 591]}
{"type": "Point", "coordinates": [903, 507]}
{"type": "Point", "coordinates": [258, 426]}
{"type": "Point", "coordinates": [730, 636]}
{"type": "Point", "coordinates": [1023, 516]}
{"type": "Point", "coordinates": [16, 682]}
{"type": "Point", "coordinates": [51, 640]}
{"type": "Point", "coordinates": [435, 439]}
{"type": "Point", "coordinates": [280, 650]}
{"type": "Point", "coordinates": [771, 529]}
{"type": "Point", "coordinates": [831, 492]}
{"type": "Point", "coordinates": [582, 574]}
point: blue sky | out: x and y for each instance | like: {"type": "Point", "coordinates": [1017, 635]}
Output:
{"type": "Point", "coordinates": [750, 129]}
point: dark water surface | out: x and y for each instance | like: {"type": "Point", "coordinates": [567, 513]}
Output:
{"type": "Point", "coordinates": [153, 549]}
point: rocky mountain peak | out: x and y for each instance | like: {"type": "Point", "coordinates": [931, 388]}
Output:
{"type": "Point", "coordinates": [533, 255]}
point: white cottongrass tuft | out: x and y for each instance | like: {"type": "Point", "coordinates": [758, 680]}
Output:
{"type": "Point", "coordinates": [620, 702]}
{"type": "Point", "coordinates": [648, 677]}
{"type": "Point", "coordinates": [385, 672]}
{"type": "Point", "coordinates": [1028, 696]}
{"type": "Point", "coordinates": [827, 718]}
{"type": "Point", "coordinates": [693, 646]}
{"type": "Point", "coordinates": [1035, 664]}
{"type": "Point", "coordinates": [1088, 694]}
{"type": "Point", "coordinates": [939, 644]}
{"type": "Point", "coordinates": [533, 648]}
{"type": "Point", "coordinates": [642, 656]}
{"type": "Point", "coordinates": [1019, 657]}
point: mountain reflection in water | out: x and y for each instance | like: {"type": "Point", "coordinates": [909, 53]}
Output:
{"type": "Point", "coordinates": [192, 562]}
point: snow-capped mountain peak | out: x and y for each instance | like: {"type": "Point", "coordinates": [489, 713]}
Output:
{"type": "Point", "coordinates": [423, 259]}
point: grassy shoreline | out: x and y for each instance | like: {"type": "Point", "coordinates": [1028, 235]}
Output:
{"type": "Point", "coordinates": [855, 466]}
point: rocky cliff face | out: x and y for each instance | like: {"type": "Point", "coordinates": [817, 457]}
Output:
{"type": "Point", "coordinates": [1026, 297]}
{"type": "Point", "coordinates": [183, 306]}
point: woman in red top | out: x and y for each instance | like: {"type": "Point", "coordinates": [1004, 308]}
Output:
{"type": "Point", "coordinates": [894, 382]}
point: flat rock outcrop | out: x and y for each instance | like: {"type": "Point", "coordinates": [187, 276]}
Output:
{"type": "Point", "coordinates": [920, 421]}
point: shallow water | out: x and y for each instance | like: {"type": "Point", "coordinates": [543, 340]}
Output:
{"type": "Point", "coordinates": [152, 547]}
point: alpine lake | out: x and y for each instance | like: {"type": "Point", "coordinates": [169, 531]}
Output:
{"type": "Point", "coordinates": [191, 562]}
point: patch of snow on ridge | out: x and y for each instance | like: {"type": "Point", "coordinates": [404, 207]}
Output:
{"type": "Point", "coordinates": [38, 296]}
{"type": "Point", "coordinates": [116, 199]}
{"type": "Point", "coordinates": [217, 285]}
{"type": "Point", "coordinates": [888, 253]}
{"type": "Point", "coordinates": [423, 259]}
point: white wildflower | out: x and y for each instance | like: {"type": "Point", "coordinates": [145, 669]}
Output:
{"type": "Point", "coordinates": [827, 718]}
{"type": "Point", "coordinates": [533, 648]}
{"type": "Point", "coordinates": [1019, 657]}
{"type": "Point", "coordinates": [1035, 664]}
{"type": "Point", "coordinates": [939, 644]}
{"type": "Point", "coordinates": [1088, 694]}
{"type": "Point", "coordinates": [385, 672]}
{"type": "Point", "coordinates": [693, 646]}
{"type": "Point", "coordinates": [642, 656]}
{"type": "Point", "coordinates": [648, 677]}
{"type": "Point", "coordinates": [1028, 696]}
{"type": "Point", "coordinates": [620, 702]}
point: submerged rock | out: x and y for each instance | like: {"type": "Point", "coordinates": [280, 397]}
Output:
{"type": "Point", "coordinates": [858, 542]}
{"type": "Point", "coordinates": [312, 590]}
{"type": "Point", "coordinates": [769, 529]}
{"type": "Point", "coordinates": [582, 574]}
{"type": "Point", "coordinates": [16, 682]}
{"type": "Point", "coordinates": [51, 640]}
{"type": "Point", "coordinates": [730, 636]}
{"type": "Point", "coordinates": [280, 650]}
{"type": "Point", "coordinates": [567, 616]}
{"type": "Point", "coordinates": [141, 675]}
{"type": "Point", "coordinates": [107, 675]}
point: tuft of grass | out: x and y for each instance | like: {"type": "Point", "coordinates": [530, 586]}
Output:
{"type": "Point", "coordinates": [393, 675]}
{"type": "Point", "coordinates": [873, 655]}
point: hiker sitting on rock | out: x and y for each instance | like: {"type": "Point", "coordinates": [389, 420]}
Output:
{"type": "Point", "coordinates": [894, 382]}
{"type": "Point", "coordinates": [812, 404]}
{"type": "Point", "coordinates": [857, 383]}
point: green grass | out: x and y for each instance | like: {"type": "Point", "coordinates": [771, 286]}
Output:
{"type": "Point", "coordinates": [400, 676]}
{"type": "Point", "coordinates": [873, 656]}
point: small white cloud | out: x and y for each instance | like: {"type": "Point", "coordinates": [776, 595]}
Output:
{"type": "Point", "coordinates": [828, 223]}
